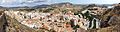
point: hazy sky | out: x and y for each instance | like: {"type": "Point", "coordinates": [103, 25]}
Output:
{"type": "Point", "coordinates": [12, 3]}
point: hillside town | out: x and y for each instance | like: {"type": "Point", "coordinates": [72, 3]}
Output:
{"type": "Point", "coordinates": [64, 18]}
{"type": "Point", "coordinates": [59, 22]}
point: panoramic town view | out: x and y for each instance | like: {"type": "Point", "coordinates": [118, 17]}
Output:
{"type": "Point", "coordinates": [59, 15]}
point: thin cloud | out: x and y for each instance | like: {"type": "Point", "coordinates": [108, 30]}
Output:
{"type": "Point", "coordinates": [20, 1]}
{"type": "Point", "coordinates": [33, 1]}
{"type": "Point", "coordinates": [39, 2]}
{"type": "Point", "coordinates": [15, 3]}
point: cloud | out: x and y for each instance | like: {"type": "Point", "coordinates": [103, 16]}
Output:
{"type": "Point", "coordinates": [21, 2]}
{"type": "Point", "coordinates": [95, 1]}
{"type": "Point", "coordinates": [9, 2]}
{"type": "Point", "coordinates": [38, 2]}
{"type": "Point", "coordinates": [34, 1]}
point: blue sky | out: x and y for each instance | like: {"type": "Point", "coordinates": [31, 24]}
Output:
{"type": "Point", "coordinates": [14, 3]}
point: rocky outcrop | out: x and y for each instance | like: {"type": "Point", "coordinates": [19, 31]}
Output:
{"type": "Point", "coordinates": [111, 20]}
{"type": "Point", "coordinates": [2, 21]}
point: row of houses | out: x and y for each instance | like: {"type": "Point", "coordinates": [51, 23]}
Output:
{"type": "Point", "coordinates": [58, 22]}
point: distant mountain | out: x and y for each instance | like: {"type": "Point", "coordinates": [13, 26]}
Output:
{"type": "Point", "coordinates": [1, 7]}
{"type": "Point", "coordinates": [52, 5]}
{"type": "Point", "coordinates": [61, 4]}
{"type": "Point", "coordinates": [65, 4]}
{"type": "Point", "coordinates": [41, 6]}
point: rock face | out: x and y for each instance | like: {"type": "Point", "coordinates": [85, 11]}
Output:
{"type": "Point", "coordinates": [111, 19]}
{"type": "Point", "coordinates": [8, 24]}
{"type": "Point", "coordinates": [2, 21]}
{"type": "Point", "coordinates": [14, 26]}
